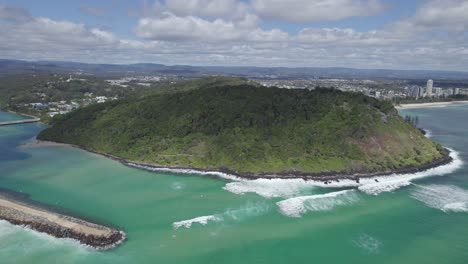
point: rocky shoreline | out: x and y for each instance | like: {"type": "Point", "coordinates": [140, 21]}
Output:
{"type": "Point", "coordinates": [59, 225]}
{"type": "Point", "coordinates": [325, 177]}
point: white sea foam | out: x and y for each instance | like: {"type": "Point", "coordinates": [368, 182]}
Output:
{"type": "Point", "coordinates": [446, 198]}
{"type": "Point", "coordinates": [456, 207]}
{"type": "Point", "coordinates": [396, 181]}
{"type": "Point", "coordinates": [185, 171]}
{"type": "Point", "coordinates": [244, 212]}
{"type": "Point", "coordinates": [295, 207]}
{"type": "Point", "coordinates": [270, 188]}
{"type": "Point", "coordinates": [287, 188]}
{"type": "Point", "coordinates": [368, 244]}
{"type": "Point", "coordinates": [5, 229]}
{"type": "Point", "coordinates": [38, 241]}
{"type": "Point", "coordinates": [428, 133]}
{"type": "Point", "coordinates": [376, 188]}
{"type": "Point", "coordinates": [203, 220]}
{"type": "Point", "coordinates": [176, 186]}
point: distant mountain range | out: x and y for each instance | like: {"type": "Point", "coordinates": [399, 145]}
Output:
{"type": "Point", "coordinates": [8, 67]}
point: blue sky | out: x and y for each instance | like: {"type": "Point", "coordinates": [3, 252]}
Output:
{"type": "Point", "coordinates": [117, 18]}
{"type": "Point", "coordinates": [398, 34]}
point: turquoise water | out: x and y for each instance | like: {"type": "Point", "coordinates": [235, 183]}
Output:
{"type": "Point", "coordinates": [395, 220]}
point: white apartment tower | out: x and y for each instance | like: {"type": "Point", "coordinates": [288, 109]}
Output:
{"type": "Point", "coordinates": [430, 83]}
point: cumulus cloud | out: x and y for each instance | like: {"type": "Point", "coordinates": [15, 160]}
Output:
{"type": "Point", "coordinates": [299, 11]}
{"type": "Point", "coordinates": [42, 31]}
{"type": "Point", "coordinates": [225, 9]}
{"type": "Point", "coordinates": [40, 37]}
{"type": "Point", "coordinates": [207, 8]}
{"type": "Point", "coordinates": [210, 21]}
{"type": "Point", "coordinates": [446, 15]}
{"type": "Point", "coordinates": [346, 36]}
{"type": "Point", "coordinates": [170, 27]}
{"type": "Point", "coordinates": [170, 32]}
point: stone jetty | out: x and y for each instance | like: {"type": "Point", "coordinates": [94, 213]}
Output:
{"type": "Point", "coordinates": [59, 225]}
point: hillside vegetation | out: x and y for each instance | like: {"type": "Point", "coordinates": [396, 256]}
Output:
{"type": "Point", "coordinates": [250, 130]}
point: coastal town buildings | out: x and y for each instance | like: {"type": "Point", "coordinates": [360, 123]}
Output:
{"type": "Point", "coordinates": [430, 84]}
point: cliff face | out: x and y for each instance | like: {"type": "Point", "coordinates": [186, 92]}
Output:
{"type": "Point", "coordinates": [251, 130]}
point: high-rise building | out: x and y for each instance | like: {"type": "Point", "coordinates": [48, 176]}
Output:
{"type": "Point", "coordinates": [448, 92]}
{"type": "Point", "coordinates": [414, 91]}
{"type": "Point", "coordinates": [421, 92]}
{"type": "Point", "coordinates": [438, 91]}
{"type": "Point", "coordinates": [430, 83]}
{"type": "Point", "coordinates": [456, 91]}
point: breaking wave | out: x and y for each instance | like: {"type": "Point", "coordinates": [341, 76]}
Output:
{"type": "Point", "coordinates": [270, 188]}
{"type": "Point", "coordinates": [286, 188]}
{"type": "Point", "coordinates": [428, 133]}
{"type": "Point", "coordinates": [295, 207]}
{"type": "Point", "coordinates": [446, 198]}
{"type": "Point", "coordinates": [27, 242]}
{"type": "Point", "coordinates": [375, 188]}
{"type": "Point", "coordinates": [246, 211]}
{"type": "Point", "coordinates": [203, 220]}
{"type": "Point", "coordinates": [396, 181]}
{"type": "Point", "coordinates": [6, 229]}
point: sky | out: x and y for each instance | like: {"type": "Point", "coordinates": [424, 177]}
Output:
{"type": "Point", "coordinates": [368, 34]}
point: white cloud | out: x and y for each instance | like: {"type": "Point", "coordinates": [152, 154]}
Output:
{"type": "Point", "coordinates": [170, 27]}
{"type": "Point", "coordinates": [315, 10]}
{"type": "Point", "coordinates": [174, 28]}
{"type": "Point", "coordinates": [58, 33]}
{"type": "Point", "coordinates": [450, 15]}
{"type": "Point", "coordinates": [44, 38]}
{"type": "Point", "coordinates": [209, 8]}
{"type": "Point", "coordinates": [439, 16]}
{"type": "Point", "coordinates": [343, 37]}
{"type": "Point", "coordinates": [213, 37]}
{"type": "Point", "coordinates": [225, 9]}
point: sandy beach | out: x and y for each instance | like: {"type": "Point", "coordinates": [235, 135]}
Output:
{"type": "Point", "coordinates": [38, 143]}
{"type": "Point", "coordinates": [435, 104]}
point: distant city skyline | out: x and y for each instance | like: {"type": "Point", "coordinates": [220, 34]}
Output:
{"type": "Point", "coordinates": [430, 84]}
{"type": "Point", "coordinates": [366, 34]}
